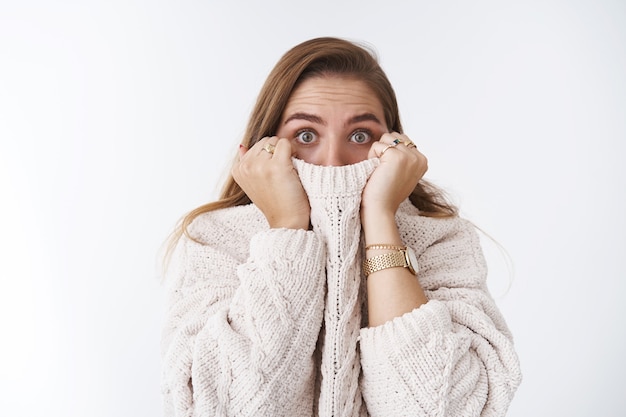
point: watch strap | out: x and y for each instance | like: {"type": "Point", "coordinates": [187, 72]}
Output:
{"type": "Point", "coordinates": [384, 246]}
{"type": "Point", "coordinates": [384, 261]}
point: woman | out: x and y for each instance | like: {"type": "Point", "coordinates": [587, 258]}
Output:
{"type": "Point", "coordinates": [330, 279]}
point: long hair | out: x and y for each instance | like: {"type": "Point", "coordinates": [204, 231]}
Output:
{"type": "Point", "coordinates": [317, 57]}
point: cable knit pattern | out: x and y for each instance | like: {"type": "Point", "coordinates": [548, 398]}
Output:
{"type": "Point", "coordinates": [268, 322]}
{"type": "Point", "coordinates": [335, 198]}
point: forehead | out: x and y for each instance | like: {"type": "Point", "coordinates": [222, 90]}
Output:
{"type": "Point", "coordinates": [333, 91]}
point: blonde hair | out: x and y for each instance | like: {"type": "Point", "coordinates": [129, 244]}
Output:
{"type": "Point", "coordinates": [313, 58]}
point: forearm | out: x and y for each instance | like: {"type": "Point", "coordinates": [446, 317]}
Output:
{"type": "Point", "coordinates": [454, 353]}
{"type": "Point", "coordinates": [241, 330]}
{"type": "Point", "coordinates": [391, 292]}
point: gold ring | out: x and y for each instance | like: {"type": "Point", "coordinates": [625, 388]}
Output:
{"type": "Point", "coordinates": [384, 150]}
{"type": "Point", "coordinates": [409, 144]}
{"type": "Point", "coordinates": [269, 148]}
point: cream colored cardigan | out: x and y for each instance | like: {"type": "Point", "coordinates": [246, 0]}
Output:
{"type": "Point", "coordinates": [271, 322]}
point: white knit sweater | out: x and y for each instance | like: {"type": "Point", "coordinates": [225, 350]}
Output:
{"type": "Point", "coordinates": [270, 322]}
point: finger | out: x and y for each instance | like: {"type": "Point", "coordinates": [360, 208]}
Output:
{"type": "Point", "coordinates": [377, 149]}
{"type": "Point", "coordinates": [283, 149]}
{"type": "Point", "coordinates": [267, 146]}
{"type": "Point", "coordinates": [384, 145]}
{"type": "Point", "coordinates": [408, 143]}
{"type": "Point", "coordinates": [404, 139]}
{"type": "Point", "coordinates": [400, 139]}
{"type": "Point", "coordinates": [390, 137]}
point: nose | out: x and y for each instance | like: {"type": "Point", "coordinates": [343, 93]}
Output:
{"type": "Point", "coordinates": [335, 153]}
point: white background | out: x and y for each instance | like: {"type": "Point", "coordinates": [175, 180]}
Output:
{"type": "Point", "coordinates": [117, 117]}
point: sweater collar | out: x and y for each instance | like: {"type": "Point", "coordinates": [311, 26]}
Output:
{"type": "Point", "coordinates": [321, 181]}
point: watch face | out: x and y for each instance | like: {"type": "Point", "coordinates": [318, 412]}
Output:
{"type": "Point", "coordinates": [412, 259]}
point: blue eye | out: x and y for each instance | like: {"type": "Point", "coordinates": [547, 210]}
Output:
{"type": "Point", "coordinates": [361, 136]}
{"type": "Point", "coordinates": [305, 136]}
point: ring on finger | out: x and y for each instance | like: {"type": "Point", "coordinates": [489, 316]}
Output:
{"type": "Point", "coordinates": [385, 150]}
{"type": "Point", "coordinates": [269, 148]}
{"type": "Point", "coordinates": [409, 144]}
{"type": "Point", "coordinates": [391, 145]}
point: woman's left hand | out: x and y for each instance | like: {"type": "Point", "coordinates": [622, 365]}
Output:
{"type": "Point", "coordinates": [391, 292]}
{"type": "Point", "coordinates": [401, 167]}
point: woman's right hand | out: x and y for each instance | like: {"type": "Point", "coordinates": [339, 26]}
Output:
{"type": "Point", "coordinates": [270, 180]}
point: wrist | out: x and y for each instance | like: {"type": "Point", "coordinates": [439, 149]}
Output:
{"type": "Point", "coordinates": [403, 257]}
{"type": "Point", "coordinates": [290, 223]}
{"type": "Point", "coordinates": [377, 207]}
{"type": "Point", "coordinates": [376, 215]}
{"type": "Point", "coordinates": [379, 219]}
{"type": "Point", "coordinates": [380, 228]}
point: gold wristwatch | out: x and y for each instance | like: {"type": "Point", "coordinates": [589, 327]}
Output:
{"type": "Point", "coordinates": [401, 258]}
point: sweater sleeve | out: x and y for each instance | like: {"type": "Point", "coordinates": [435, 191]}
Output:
{"type": "Point", "coordinates": [454, 355]}
{"type": "Point", "coordinates": [239, 337]}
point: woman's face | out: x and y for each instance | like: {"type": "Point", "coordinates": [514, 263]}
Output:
{"type": "Point", "coordinates": [332, 120]}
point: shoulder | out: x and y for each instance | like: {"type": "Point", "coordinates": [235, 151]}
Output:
{"type": "Point", "coordinates": [215, 240]}
{"type": "Point", "coordinates": [227, 224]}
{"type": "Point", "coordinates": [448, 249]}
{"type": "Point", "coordinates": [420, 232]}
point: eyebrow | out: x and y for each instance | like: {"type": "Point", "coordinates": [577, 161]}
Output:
{"type": "Point", "coordinates": [305, 116]}
{"type": "Point", "coordinates": [363, 118]}
{"type": "Point", "coordinates": [316, 119]}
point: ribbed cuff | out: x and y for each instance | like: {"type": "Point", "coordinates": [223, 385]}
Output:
{"type": "Point", "coordinates": [289, 244]}
{"type": "Point", "coordinates": [431, 320]}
